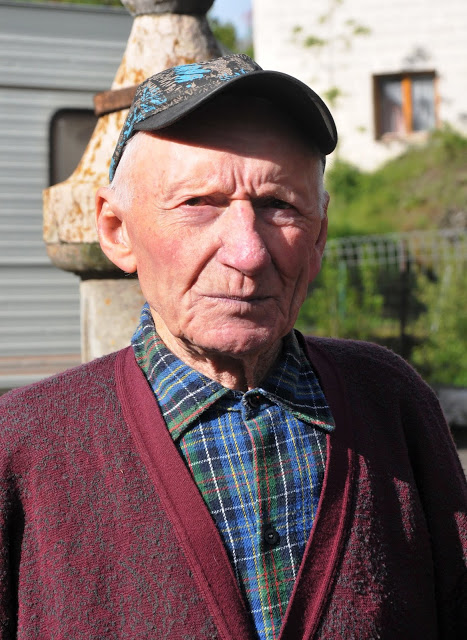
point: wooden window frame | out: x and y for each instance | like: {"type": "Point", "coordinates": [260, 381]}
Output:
{"type": "Point", "coordinates": [405, 79]}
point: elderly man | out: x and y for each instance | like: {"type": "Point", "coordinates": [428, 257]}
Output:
{"type": "Point", "coordinates": [225, 477]}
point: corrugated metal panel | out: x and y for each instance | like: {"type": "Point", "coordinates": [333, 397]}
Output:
{"type": "Point", "coordinates": [41, 73]}
{"type": "Point", "coordinates": [24, 153]}
{"type": "Point", "coordinates": [68, 47]}
{"type": "Point", "coordinates": [39, 311]}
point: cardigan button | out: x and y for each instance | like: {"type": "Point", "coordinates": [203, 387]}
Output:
{"type": "Point", "coordinates": [270, 536]}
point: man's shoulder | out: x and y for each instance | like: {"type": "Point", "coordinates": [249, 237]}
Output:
{"type": "Point", "coordinates": [375, 378]}
{"type": "Point", "coordinates": [357, 358]}
{"type": "Point", "coordinates": [61, 396]}
{"type": "Point", "coordinates": [66, 380]}
{"type": "Point", "coordinates": [359, 349]}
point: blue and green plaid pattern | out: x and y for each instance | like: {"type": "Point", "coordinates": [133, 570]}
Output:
{"type": "Point", "coordinates": [258, 459]}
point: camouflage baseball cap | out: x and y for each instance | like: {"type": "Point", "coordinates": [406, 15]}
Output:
{"type": "Point", "coordinates": [174, 93]}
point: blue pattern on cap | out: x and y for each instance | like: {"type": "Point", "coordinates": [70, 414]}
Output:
{"type": "Point", "coordinates": [229, 76]}
{"type": "Point", "coordinates": [149, 100]}
{"type": "Point", "coordinates": [189, 72]}
{"type": "Point", "coordinates": [172, 93]}
{"type": "Point", "coordinates": [173, 86]}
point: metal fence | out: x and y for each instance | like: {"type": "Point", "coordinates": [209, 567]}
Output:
{"type": "Point", "coordinates": [407, 291]}
{"type": "Point", "coordinates": [429, 248]}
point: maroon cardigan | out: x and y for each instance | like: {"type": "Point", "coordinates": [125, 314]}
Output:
{"type": "Point", "coordinates": [105, 535]}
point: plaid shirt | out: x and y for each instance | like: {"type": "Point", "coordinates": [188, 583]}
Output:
{"type": "Point", "coordinates": [258, 459]}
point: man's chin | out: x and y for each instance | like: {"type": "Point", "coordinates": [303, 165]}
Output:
{"type": "Point", "coordinates": [234, 343]}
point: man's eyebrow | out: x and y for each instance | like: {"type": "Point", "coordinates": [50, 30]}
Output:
{"type": "Point", "coordinates": [282, 192]}
{"type": "Point", "coordinates": [188, 183]}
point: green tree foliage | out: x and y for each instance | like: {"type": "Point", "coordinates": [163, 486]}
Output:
{"type": "Point", "coordinates": [225, 32]}
{"type": "Point", "coordinates": [344, 303]}
{"type": "Point", "coordinates": [441, 354]}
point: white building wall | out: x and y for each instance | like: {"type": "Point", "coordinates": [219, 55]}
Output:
{"type": "Point", "coordinates": [404, 35]}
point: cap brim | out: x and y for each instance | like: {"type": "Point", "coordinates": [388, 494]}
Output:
{"type": "Point", "coordinates": [292, 96]}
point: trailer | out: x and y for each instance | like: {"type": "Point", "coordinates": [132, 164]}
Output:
{"type": "Point", "coordinates": [53, 59]}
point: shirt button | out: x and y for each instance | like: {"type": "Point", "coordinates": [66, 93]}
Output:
{"type": "Point", "coordinates": [270, 536]}
{"type": "Point", "coordinates": [254, 401]}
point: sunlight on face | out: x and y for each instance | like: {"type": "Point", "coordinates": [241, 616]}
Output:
{"type": "Point", "coordinates": [226, 224]}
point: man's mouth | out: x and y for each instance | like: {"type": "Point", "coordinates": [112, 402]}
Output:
{"type": "Point", "coordinates": [229, 297]}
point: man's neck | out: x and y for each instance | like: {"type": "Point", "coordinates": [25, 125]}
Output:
{"type": "Point", "coordinates": [240, 372]}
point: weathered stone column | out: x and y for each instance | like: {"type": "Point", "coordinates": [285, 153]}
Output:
{"type": "Point", "coordinates": [164, 33]}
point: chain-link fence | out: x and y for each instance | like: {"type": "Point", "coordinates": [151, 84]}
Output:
{"type": "Point", "coordinates": [423, 247]}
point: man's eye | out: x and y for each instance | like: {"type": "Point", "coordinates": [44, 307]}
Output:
{"type": "Point", "coordinates": [195, 202]}
{"type": "Point", "coordinates": [275, 203]}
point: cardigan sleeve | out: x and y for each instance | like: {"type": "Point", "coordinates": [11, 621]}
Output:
{"type": "Point", "coordinates": [401, 432]}
{"type": "Point", "coordinates": [443, 493]}
{"type": "Point", "coordinates": [10, 535]}
{"type": "Point", "coordinates": [11, 529]}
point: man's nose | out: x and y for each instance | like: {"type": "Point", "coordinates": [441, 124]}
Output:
{"type": "Point", "coordinates": [243, 246]}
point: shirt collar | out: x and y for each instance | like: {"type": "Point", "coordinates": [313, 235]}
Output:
{"type": "Point", "coordinates": [184, 394]}
{"type": "Point", "coordinates": [294, 385]}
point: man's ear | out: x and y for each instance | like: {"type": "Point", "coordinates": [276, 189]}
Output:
{"type": "Point", "coordinates": [112, 231]}
{"type": "Point", "coordinates": [323, 233]}
{"type": "Point", "coordinates": [320, 243]}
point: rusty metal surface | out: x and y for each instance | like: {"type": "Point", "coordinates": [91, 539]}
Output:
{"type": "Point", "coordinates": [160, 42]}
{"type": "Point", "coordinates": [82, 257]}
{"type": "Point", "coordinates": [113, 100]}
{"type": "Point", "coordinates": [52, 57]}
{"type": "Point", "coordinates": [68, 207]}
{"type": "Point", "coordinates": [156, 42]}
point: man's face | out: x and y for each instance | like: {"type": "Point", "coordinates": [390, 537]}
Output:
{"type": "Point", "coordinates": [226, 231]}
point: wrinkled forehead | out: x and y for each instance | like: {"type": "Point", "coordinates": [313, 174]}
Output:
{"type": "Point", "coordinates": [163, 171]}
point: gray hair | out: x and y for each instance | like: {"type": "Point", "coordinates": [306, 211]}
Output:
{"type": "Point", "coordinates": [122, 185]}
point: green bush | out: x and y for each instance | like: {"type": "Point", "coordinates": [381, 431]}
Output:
{"type": "Point", "coordinates": [344, 303]}
{"type": "Point", "coordinates": [416, 190]}
{"type": "Point", "coordinates": [441, 355]}
{"type": "Point", "coordinates": [448, 144]}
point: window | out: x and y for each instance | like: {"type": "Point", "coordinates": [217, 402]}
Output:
{"type": "Point", "coordinates": [70, 132]}
{"type": "Point", "coordinates": [405, 103]}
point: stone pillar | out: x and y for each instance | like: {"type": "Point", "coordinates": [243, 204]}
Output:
{"type": "Point", "coordinates": [165, 33]}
